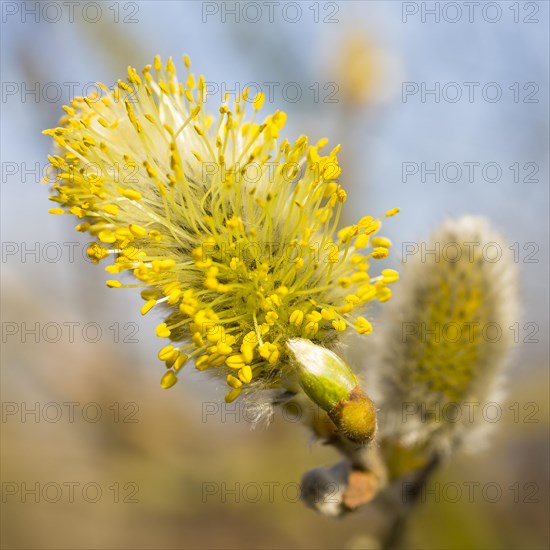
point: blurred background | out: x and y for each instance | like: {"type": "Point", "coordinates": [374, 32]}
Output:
{"type": "Point", "coordinates": [94, 453]}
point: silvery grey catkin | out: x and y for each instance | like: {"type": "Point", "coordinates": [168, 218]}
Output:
{"type": "Point", "coordinates": [445, 339]}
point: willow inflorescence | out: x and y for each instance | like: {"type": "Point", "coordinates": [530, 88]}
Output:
{"type": "Point", "coordinates": [229, 231]}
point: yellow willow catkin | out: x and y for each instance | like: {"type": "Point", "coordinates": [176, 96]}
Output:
{"type": "Point", "coordinates": [446, 337]}
{"type": "Point", "coordinates": [229, 231]}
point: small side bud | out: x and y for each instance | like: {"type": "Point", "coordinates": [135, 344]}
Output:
{"type": "Point", "coordinates": [328, 381]}
{"type": "Point", "coordinates": [338, 490]}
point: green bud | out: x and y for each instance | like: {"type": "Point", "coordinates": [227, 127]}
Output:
{"type": "Point", "coordinates": [331, 384]}
{"type": "Point", "coordinates": [323, 376]}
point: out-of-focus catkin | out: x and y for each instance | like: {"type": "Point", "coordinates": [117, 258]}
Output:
{"type": "Point", "coordinates": [444, 341]}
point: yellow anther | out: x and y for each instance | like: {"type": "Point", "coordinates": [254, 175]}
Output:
{"type": "Point", "coordinates": [166, 352]}
{"type": "Point", "coordinates": [106, 236]}
{"type": "Point", "coordinates": [168, 380]}
{"type": "Point", "coordinates": [251, 339]}
{"type": "Point", "coordinates": [296, 317]}
{"type": "Point", "coordinates": [235, 224]}
{"type": "Point", "coordinates": [160, 266]}
{"type": "Point", "coordinates": [163, 331]}
{"type": "Point", "coordinates": [366, 292]}
{"type": "Point", "coordinates": [259, 101]}
{"type": "Point", "coordinates": [223, 348]}
{"type": "Point", "coordinates": [270, 352]}
{"type": "Point", "coordinates": [180, 361]}
{"type": "Point", "coordinates": [233, 382]}
{"type": "Point", "coordinates": [363, 326]}
{"type": "Point", "coordinates": [271, 317]}
{"type": "Point", "coordinates": [202, 362]}
{"type": "Point", "coordinates": [314, 316]}
{"type": "Point", "coordinates": [148, 306]}
{"type": "Point", "coordinates": [372, 227]}
{"type": "Point", "coordinates": [361, 241]}
{"type": "Point", "coordinates": [298, 264]}
{"type": "Point", "coordinates": [232, 395]}
{"type": "Point", "coordinates": [245, 374]}
{"type": "Point", "coordinates": [328, 314]}
{"type": "Point", "coordinates": [197, 339]}
{"type": "Point", "coordinates": [247, 353]}
{"type": "Point", "coordinates": [390, 276]}
{"type": "Point", "coordinates": [129, 194]}
{"type": "Point", "coordinates": [333, 256]}
{"type": "Point", "coordinates": [97, 252]}
{"type": "Point", "coordinates": [215, 333]}
{"type": "Point", "coordinates": [341, 195]}
{"type": "Point", "coordinates": [346, 308]}
{"type": "Point", "coordinates": [384, 295]}
{"type": "Point", "coordinates": [381, 241]}
{"type": "Point", "coordinates": [311, 329]}
{"type": "Point", "coordinates": [235, 362]}
{"type": "Point", "coordinates": [379, 253]}
{"type": "Point", "coordinates": [174, 296]}
{"type": "Point", "coordinates": [77, 211]}
{"type": "Point", "coordinates": [321, 143]}
{"type": "Point", "coordinates": [347, 233]}
{"type": "Point", "coordinates": [137, 230]}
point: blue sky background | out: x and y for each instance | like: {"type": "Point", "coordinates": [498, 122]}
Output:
{"type": "Point", "coordinates": [376, 139]}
